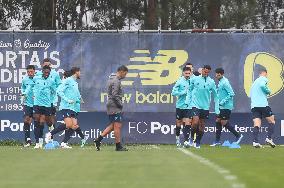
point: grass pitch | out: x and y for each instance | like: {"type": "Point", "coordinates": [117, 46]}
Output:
{"type": "Point", "coordinates": [142, 166]}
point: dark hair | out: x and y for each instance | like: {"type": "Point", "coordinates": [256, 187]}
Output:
{"type": "Point", "coordinates": [46, 67]}
{"type": "Point", "coordinates": [30, 67]}
{"type": "Point", "coordinates": [122, 68]}
{"type": "Point", "coordinates": [188, 64]}
{"type": "Point", "coordinates": [67, 74]}
{"type": "Point", "coordinates": [208, 67]}
{"type": "Point", "coordinates": [220, 71]}
{"type": "Point", "coordinates": [262, 70]}
{"type": "Point", "coordinates": [186, 69]}
{"type": "Point", "coordinates": [74, 70]}
{"type": "Point", "coordinates": [196, 73]}
{"type": "Point", "coordinates": [46, 60]}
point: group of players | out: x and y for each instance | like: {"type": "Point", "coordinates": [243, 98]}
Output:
{"type": "Point", "coordinates": [194, 90]}
{"type": "Point", "coordinates": [40, 91]}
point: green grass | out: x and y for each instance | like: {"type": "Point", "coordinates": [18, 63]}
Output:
{"type": "Point", "coordinates": [143, 166]}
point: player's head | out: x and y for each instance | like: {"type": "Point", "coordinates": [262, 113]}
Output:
{"type": "Point", "coordinates": [75, 71]}
{"type": "Point", "coordinates": [263, 72]}
{"type": "Point", "coordinates": [30, 70]}
{"type": "Point", "coordinates": [189, 65]}
{"type": "Point", "coordinates": [186, 72]}
{"type": "Point", "coordinates": [122, 71]}
{"type": "Point", "coordinates": [219, 73]}
{"type": "Point", "coordinates": [46, 71]}
{"type": "Point", "coordinates": [67, 74]}
{"type": "Point", "coordinates": [46, 62]}
{"type": "Point", "coordinates": [206, 70]}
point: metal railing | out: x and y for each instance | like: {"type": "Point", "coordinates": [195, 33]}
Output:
{"type": "Point", "coordinates": [148, 31]}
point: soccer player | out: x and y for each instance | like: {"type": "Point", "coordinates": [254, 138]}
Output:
{"type": "Point", "coordinates": [28, 102]}
{"type": "Point", "coordinates": [114, 108]}
{"type": "Point", "coordinates": [226, 103]}
{"type": "Point", "coordinates": [180, 90]}
{"type": "Point", "coordinates": [260, 108]}
{"type": "Point", "coordinates": [42, 90]}
{"type": "Point", "coordinates": [200, 90]}
{"type": "Point", "coordinates": [54, 76]}
{"type": "Point", "coordinates": [70, 107]}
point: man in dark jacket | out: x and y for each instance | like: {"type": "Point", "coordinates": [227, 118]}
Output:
{"type": "Point", "coordinates": [114, 108]}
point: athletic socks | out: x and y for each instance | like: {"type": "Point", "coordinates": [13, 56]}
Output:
{"type": "Point", "coordinates": [199, 137]}
{"type": "Point", "coordinates": [186, 132]}
{"type": "Point", "coordinates": [255, 134]}
{"type": "Point", "coordinates": [37, 131]}
{"type": "Point", "coordinates": [100, 138]}
{"type": "Point", "coordinates": [27, 131]}
{"type": "Point", "coordinates": [218, 131]}
{"type": "Point", "coordinates": [270, 130]}
{"type": "Point", "coordinates": [232, 130]}
{"type": "Point", "coordinates": [80, 133]}
{"type": "Point", "coordinates": [59, 128]}
{"type": "Point", "coordinates": [178, 130]}
{"type": "Point", "coordinates": [68, 134]}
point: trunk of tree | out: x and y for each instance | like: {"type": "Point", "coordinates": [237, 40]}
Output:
{"type": "Point", "coordinates": [165, 14]}
{"type": "Point", "coordinates": [151, 17]}
{"type": "Point", "coordinates": [43, 14]}
{"type": "Point", "coordinates": [213, 18]}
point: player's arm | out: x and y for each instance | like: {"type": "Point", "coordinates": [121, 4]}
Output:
{"type": "Point", "coordinates": [175, 90]}
{"type": "Point", "coordinates": [61, 92]}
{"type": "Point", "coordinates": [216, 99]}
{"type": "Point", "coordinates": [116, 86]}
{"type": "Point", "coordinates": [264, 88]}
{"type": "Point", "coordinates": [58, 80]}
{"type": "Point", "coordinates": [189, 92]}
{"type": "Point", "coordinates": [230, 94]}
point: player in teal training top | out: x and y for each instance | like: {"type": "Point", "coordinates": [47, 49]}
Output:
{"type": "Point", "coordinates": [260, 108]}
{"type": "Point", "coordinates": [199, 92]}
{"type": "Point", "coordinates": [226, 104]}
{"type": "Point", "coordinates": [28, 102]}
{"type": "Point", "coordinates": [180, 90]}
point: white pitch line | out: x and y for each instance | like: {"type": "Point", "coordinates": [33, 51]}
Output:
{"type": "Point", "coordinates": [155, 147]}
{"type": "Point", "coordinates": [226, 174]}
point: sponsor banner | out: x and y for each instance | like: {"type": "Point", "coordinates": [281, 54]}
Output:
{"type": "Point", "coordinates": [141, 128]}
{"type": "Point", "coordinates": [154, 60]}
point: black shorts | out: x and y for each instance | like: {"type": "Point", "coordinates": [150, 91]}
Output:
{"type": "Point", "coordinates": [28, 111]}
{"type": "Point", "coordinates": [224, 114]}
{"type": "Point", "coordinates": [202, 114]}
{"type": "Point", "coordinates": [42, 110]}
{"type": "Point", "coordinates": [183, 113]}
{"type": "Point", "coordinates": [66, 113]}
{"type": "Point", "coordinates": [115, 117]}
{"type": "Point", "coordinates": [261, 112]}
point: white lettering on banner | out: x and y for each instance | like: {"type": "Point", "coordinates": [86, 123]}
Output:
{"type": "Point", "coordinates": [282, 127]}
{"type": "Point", "coordinates": [141, 127]}
{"type": "Point", "coordinates": [137, 127]}
{"type": "Point", "coordinates": [165, 129]}
{"type": "Point", "coordinates": [6, 124]}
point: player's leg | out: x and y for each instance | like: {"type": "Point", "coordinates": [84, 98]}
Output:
{"type": "Point", "coordinates": [106, 131]}
{"type": "Point", "coordinates": [200, 132]}
{"type": "Point", "coordinates": [28, 114]}
{"type": "Point", "coordinates": [178, 126]}
{"type": "Point", "coordinates": [257, 115]}
{"type": "Point", "coordinates": [225, 117]}
{"type": "Point", "coordinates": [218, 132]}
{"type": "Point", "coordinates": [72, 124]}
{"type": "Point", "coordinates": [117, 124]}
{"type": "Point", "coordinates": [36, 125]}
{"type": "Point", "coordinates": [195, 123]}
{"type": "Point", "coordinates": [41, 128]}
{"type": "Point", "coordinates": [186, 131]}
{"type": "Point", "coordinates": [66, 115]}
{"type": "Point", "coordinates": [271, 124]}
